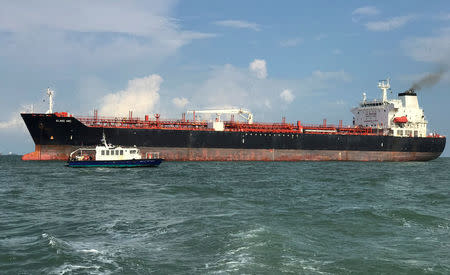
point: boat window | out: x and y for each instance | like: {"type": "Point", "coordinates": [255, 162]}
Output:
{"type": "Point", "coordinates": [112, 152]}
{"type": "Point", "coordinates": [107, 152]}
{"type": "Point", "coordinates": [121, 152]}
{"type": "Point", "coordinates": [117, 152]}
{"type": "Point", "coordinates": [400, 132]}
{"type": "Point", "coordinates": [103, 152]}
{"type": "Point", "coordinates": [132, 151]}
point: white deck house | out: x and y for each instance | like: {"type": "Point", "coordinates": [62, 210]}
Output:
{"type": "Point", "coordinates": [398, 117]}
{"type": "Point", "coordinates": [116, 153]}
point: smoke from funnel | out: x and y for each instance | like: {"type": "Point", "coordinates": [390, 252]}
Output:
{"type": "Point", "coordinates": [430, 79]}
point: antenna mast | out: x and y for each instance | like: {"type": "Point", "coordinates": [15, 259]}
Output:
{"type": "Point", "coordinates": [50, 94]}
{"type": "Point", "coordinates": [384, 85]}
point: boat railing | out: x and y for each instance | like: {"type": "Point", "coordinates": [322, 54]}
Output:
{"type": "Point", "coordinates": [152, 155]}
{"type": "Point", "coordinates": [80, 151]}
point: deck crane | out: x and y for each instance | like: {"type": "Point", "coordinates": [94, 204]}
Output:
{"type": "Point", "coordinates": [245, 114]}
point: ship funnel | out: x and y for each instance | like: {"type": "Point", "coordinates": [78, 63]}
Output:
{"type": "Point", "coordinates": [411, 91]}
{"type": "Point", "coordinates": [409, 99]}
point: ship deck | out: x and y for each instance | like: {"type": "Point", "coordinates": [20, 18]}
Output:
{"type": "Point", "coordinates": [230, 126]}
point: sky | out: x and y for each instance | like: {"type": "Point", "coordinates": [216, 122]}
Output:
{"type": "Point", "coordinates": [303, 60]}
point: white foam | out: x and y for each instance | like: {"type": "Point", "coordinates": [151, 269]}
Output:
{"type": "Point", "coordinates": [94, 251]}
{"type": "Point", "coordinates": [308, 266]}
{"type": "Point", "coordinates": [69, 268]}
{"type": "Point", "coordinates": [249, 234]}
{"type": "Point", "coordinates": [52, 241]}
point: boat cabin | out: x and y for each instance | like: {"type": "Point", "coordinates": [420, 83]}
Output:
{"type": "Point", "coordinates": [106, 153]}
{"type": "Point", "coordinates": [116, 153]}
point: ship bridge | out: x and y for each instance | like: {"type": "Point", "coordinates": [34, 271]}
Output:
{"type": "Point", "coordinates": [397, 117]}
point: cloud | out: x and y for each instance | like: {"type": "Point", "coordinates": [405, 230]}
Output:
{"type": "Point", "coordinates": [140, 96]}
{"type": "Point", "coordinates": [361, 12]}
{"type": "Point", "coordinates": [434, 49]}
{"type": "Point", "coordinates": [287, 96]}
{"type": "Point", "coordinates": [230, 86]}
{"type": "Point", "coordinates": [367, 10]}
{"type": "Point", "coordinates": [90, 32]}
{"type": "Point", "coordinates": [180, 102]}
{"type": "Point", "coordinates": [86, 16]}
{"type": "Point", "coordinates": [291, 42]}
{"type": "Point", "coordinates": [389, 24]}
{"type": "Point", "coordinates": [13, 123]}
{"type": "Point", "coordinates": [238, 24]}
{"type": "Point", "coordinates": [258, 67]}
{"type": "Point", "coordinates": [226, 86]}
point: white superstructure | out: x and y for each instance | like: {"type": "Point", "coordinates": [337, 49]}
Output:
{"type": "Point", "coordinates": [116, 153]}
{"type": "Point", "coordinates": [218, 124]}
{"type": "Point", "coordinates": [397, 117]}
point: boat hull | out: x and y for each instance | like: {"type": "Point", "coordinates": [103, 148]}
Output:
{"type": "Point", "coordinates": [55, 137]}
{"type": "Point", "coordinates": [115, 163]}
{"type": "Point", "coordinates": [49, 152]}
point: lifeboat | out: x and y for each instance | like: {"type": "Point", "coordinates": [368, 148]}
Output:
{"type": "Point", "coordinates": [401, 119]}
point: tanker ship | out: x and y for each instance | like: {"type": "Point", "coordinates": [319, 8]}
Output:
{"type": "Point", "coordinates": [383, 130]}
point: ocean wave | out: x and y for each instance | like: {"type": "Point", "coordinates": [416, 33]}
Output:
{"type": "Point", "coordinates": [84, 255]}
{"type": "Point", "coordinates": [73, 268]}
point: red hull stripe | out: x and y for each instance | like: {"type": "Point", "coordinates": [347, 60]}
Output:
{"type": "Point", "coordinates": [61, 152]}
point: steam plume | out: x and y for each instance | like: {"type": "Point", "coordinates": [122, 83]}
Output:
{"type": "Point", "coordinates": [430, 79]}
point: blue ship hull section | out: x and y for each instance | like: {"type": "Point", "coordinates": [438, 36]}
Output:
{"type": "Point", "coordinates": [115, 163]}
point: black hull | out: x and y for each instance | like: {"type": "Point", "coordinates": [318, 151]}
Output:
{"type": "Point", "coordinates": [65, 133]}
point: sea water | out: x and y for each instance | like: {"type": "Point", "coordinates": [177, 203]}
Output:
{"type": "Point", "coordinates": [225, 218]}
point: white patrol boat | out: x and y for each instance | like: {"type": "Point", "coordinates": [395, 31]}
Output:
{"type": "Point", "coordinates": [107, 155]}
